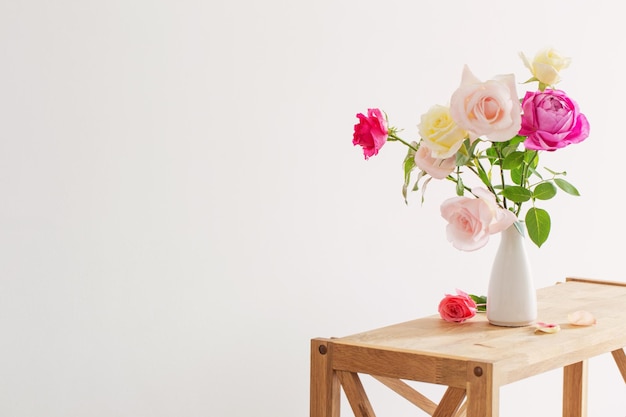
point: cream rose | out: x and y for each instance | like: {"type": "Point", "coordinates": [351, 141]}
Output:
{"type": "Point", "coordinates": [440, 133]}
{"type": "Point", "coordinates": [489, 109]}
{"type": "Point", "coordinates": [547, 65]}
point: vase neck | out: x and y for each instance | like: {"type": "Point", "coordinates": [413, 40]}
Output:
{"type": "Point", "coordinates": [512, 237]}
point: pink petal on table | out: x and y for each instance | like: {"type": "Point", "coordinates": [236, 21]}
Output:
{"type": "Point", "coordinates": [581, 318]}
{"type": "Point", "coordinates": [541, 327]}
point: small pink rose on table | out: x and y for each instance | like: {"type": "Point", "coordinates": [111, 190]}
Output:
{"type": "Point", "coordinates": [371, 132]}
{"type": "Point", "coordinates": [457, 308]}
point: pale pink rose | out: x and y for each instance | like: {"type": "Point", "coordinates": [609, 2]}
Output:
{"type": "Point", "coordinates": [436, 168]}
{"type": "Point", "coordinates": [581, 318]}
{"type": "Point", "coordinates": [502, 218]}
{"type": "Point", "coordinates": [489, 108]}
{"type": "Point", "coordinates": [472, 220]}
{"type": "Point", "coordinates": [457, 308]}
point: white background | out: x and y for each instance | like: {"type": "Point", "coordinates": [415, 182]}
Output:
{"type": "Point", "coordinates": [182, 208]}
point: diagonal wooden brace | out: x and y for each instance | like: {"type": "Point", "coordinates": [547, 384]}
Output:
{"type": "Point", "coordinates": [620, 359]}
{"type": "Point", "coordinates": [450, 402]}
{"type": "Point", "coordinates": [355, 394]}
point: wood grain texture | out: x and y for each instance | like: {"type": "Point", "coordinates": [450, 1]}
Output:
{"type": "Point", "coordinates": [620, 360]}
{"type": "Point", "coordinates": [409, 393]}
{"type": "Point", "coordinates": [393, 363]}
{"type": "Point", "coordinates": [483, 393]}
{"type": "Point", "coordinates": [353, 388]}
{"type": "Point", "coordinates": [595, 281]}
{"type": "Point", "coordinates": [450, 402]}
{"type": "Point", "coordinates": [324, 384]}
{"type": "Point", "coordinates": [474, 359]}
{"type": "Point", "coordinates": [441, 347]}
{"type": "Point", "coordinates": [575, 390]}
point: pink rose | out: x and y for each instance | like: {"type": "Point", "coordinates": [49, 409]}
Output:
{"type": "Point", "coordinates": [436, 168]}
{"type": "Point", "coordinates": [472, 220]}
{"type": "Point", "coordinates": [371, 132]}
{"type": "Point", "coordinates": [489, 109]}
{"type": "Point", "coordinates": [457, 308]}
{"type": "Point", "coordinates": [551, 120]}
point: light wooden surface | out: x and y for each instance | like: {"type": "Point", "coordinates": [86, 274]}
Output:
{"type": "Point", "coordinates": [475, 358]}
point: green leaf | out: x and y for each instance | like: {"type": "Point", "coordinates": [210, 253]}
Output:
{"type": "Point", "coordinates": [472, 146]}
{"type": "Point", "coordinates": [516, 175]}
{"type": "Point", "coordinates": [533, 171]}
{"type": "Point", "coordinates": [465, 152]}
{"type": "Point", "coordinates": [424, 188]}
{"type": "Point", "coordinates": [513, 160]}
{"type": "Point", "coordinates": [461, 157]}
{"type": "Point", "coordinates": [538, 225]}
{"type": "Point", "coordinates": [409, 165]}
{"type": "Point", "coordinates": [516, 140]}
{"type": "Point", "coordinates": [531, 158]}
{"type": "Point", "coordinates": [544, 191]}
{"type": "Point", "coordinates": [512, 145]}
{"type": "Point", "coordinates": [481, 302]}
{"type": "Point", "coordinates": [516, 193]}
{"type": "Point", "coordinates": [530, 80]}
{"type": "Point", "coordinates": [554, 172]}
{"type": "Point", "coordinates": [483, 175]}
{"type": "Point", "coordinates": [566, 186]}
{"type": "Point", "coordinates": [460, 190]}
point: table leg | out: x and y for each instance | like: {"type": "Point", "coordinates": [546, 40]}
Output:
{"type": "Point", "coordinates": [325, 389]}
{"type": "Point", "coordinates": [575, 390]}
{"type": "Point", "coordinates": [620, 360]}
{"type": "Point", "coordinates": [483, 395]}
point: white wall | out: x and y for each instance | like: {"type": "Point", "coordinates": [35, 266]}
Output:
{"type": "Point", "coordinates": [183, 210]}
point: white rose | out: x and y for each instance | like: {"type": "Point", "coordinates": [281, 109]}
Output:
{"type": "Point", "coordinates": [547, 65]}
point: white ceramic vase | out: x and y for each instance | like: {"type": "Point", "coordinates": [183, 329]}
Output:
{"type": "Point", "coordinates": [511, 297]}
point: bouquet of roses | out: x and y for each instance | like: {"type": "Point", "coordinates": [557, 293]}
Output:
{"type": "Point", "coordinates": [489, 134]}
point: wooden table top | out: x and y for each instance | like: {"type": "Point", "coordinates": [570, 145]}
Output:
{"type": "Point", "coordinates": [518, 352]}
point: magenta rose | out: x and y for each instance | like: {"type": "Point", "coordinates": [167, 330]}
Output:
{"type": "Point", "coordinates": [457, 308]}
{"type": "Point", "coordinates": [551, 120]}
{"type": "Point", "coordinates": [371, 132]}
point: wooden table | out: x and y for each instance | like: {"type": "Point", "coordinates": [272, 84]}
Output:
{"type": "Point", "coordinates": [473, 359]}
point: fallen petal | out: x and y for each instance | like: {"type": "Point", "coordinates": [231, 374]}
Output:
{"type": "Point", "coordinates": [581, 318]}
{"type": "Point", "coordinates": [541, 327]}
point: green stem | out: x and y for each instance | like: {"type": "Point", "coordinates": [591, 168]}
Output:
{"type": "Point", "coordinates": [454, 180]}
{"type": "Point", "coordinates": [501, 159]}
{"type": "Point", "coordinates": [487, 184]}
{"type": "Point", "coordinates": [393, 137]}
{"type": "Point", "coordinates": [524, 178]}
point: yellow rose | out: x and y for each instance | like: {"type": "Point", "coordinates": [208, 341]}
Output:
{"type": "Point", "coordinates": [440, 133]}
{"type": "Point", "coordinates": [547, 65]}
